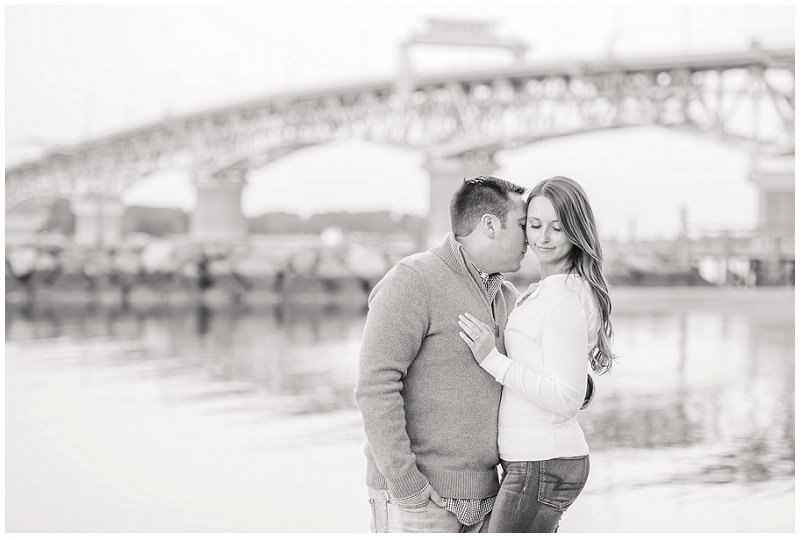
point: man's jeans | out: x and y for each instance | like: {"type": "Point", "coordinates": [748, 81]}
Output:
{"type": "Point", "coordinates": [535, 494]}
{"type": "Point", "coordinates": [390, 515]}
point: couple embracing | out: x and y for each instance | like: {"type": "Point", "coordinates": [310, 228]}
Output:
{"type": "Point", "coordinates": [459, 372]}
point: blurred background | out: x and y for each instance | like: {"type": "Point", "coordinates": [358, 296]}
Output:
{"type": "Point", "coordinates": [199, 200]}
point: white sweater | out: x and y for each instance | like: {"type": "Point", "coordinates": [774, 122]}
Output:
{"type": "Point", "coordinates": [548, 338]}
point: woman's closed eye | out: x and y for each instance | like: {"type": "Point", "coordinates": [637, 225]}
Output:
{"type": "Point", "coordinates": [537, 226]}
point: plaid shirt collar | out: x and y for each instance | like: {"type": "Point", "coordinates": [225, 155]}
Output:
{"type": "Point", "coordinates": [492, 282]}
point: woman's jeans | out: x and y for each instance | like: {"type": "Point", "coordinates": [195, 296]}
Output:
{"type": "Point", "coordinates": [534, 494]}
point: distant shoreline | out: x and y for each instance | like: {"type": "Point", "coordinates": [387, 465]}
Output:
{"type": "Point", "coordinates": [752, 301]}
{"type": "Point", "coordinates": [773, 304]}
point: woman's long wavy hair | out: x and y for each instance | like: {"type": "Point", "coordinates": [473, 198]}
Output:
{"type": "Point", "coordinates": [586, 256]}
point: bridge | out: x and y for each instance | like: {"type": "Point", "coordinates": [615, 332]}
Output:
{"type": "Point", "coordinates": [459, 120]}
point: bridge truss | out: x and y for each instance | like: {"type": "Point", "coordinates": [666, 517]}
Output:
{"type": "Point", "coordinates": [744, 98]}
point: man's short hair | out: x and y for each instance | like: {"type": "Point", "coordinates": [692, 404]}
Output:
{"type": "Point", "coordinates": [478, 196]}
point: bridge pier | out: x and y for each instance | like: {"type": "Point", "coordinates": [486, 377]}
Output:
{"type": "Point", "coordinates": [98, 220]}
{"type": "Point", "coordinates": [775, 181]}
{"type": "Point", "coordinates": [218, 217]}
{"type": "Point", "coordinates": [725, 260]}
{"type": "Point", "coordinates": [446, 175]}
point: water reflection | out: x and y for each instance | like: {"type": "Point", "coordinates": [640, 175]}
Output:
{"type": "Point", "coordinates": [303, 353]}
{"type": "Point", "coordinates": [697, 397]}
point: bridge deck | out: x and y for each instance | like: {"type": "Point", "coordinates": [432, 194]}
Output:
{"type": "Point", "coordinates": [783, 58]}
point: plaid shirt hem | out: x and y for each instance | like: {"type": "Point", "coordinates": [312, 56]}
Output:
{"type": "Point", "coordinates": [469, 511]}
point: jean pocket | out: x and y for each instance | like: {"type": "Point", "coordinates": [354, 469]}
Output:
{"type": "Point", "coordinates": [561, 480]}
{"type": "Point", "coordinates": [373, 524]}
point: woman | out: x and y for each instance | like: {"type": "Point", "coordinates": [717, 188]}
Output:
{"type": "Point", "coordinates": [557, 325]}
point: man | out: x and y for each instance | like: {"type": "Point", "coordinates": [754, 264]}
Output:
{"type": "Point", "coordinates": [429, 410]}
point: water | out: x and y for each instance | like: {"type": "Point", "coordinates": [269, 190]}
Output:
{"type": "Point", "coordinates": [194, 419]}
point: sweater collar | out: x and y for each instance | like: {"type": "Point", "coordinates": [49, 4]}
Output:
{"type": "Point", "coordinates": [453, 254]}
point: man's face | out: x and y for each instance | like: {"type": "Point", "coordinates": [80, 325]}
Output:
{"type": "Point", "coordinates": [510, 243]}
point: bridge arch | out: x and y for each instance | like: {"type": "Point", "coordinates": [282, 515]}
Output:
{"type": "Point", "coordinates": [733, 95]}
{"type": "Point", "coordinates": [639, 178]}
{"type": "Point", "coordinates": [348, 174]}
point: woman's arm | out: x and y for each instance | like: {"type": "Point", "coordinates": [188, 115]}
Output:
{"type": "Point", "coordinates": [561, 387]}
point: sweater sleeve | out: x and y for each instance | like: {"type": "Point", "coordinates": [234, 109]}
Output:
{"type": "Point", "coordinates": [562, 386]}
{"type": "Point", "coordinates": [397, 322]}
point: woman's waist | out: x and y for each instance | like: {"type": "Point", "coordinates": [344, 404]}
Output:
{"type": "Point", "coordinates": [538, 427]}
{"type": "Point", "coordinates": [518, 412]}
{"type": "Point", "coordinates": [535, 444]}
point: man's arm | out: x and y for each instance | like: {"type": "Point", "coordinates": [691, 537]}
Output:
{"type": "Point", "coordinates": [396, 324]}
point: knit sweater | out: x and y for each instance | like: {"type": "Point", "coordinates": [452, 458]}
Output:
{"type": "Point", "coordinates": [429, 410]}
{"type": "Point", "coordinates": [548, 338]}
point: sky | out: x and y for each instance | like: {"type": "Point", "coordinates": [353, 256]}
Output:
{"type": "Point", "coordinates": [74, 73]}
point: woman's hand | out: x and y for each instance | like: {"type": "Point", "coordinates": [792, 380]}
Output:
{"type": "Point", "coordinates": [478, 336]}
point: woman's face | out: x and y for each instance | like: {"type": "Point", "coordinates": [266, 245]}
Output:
{"type": "Point", "coordinates": [546, 236]}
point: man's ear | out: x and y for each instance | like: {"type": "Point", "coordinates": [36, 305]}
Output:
{"type": "Point", "coordinates": [488, 225]}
